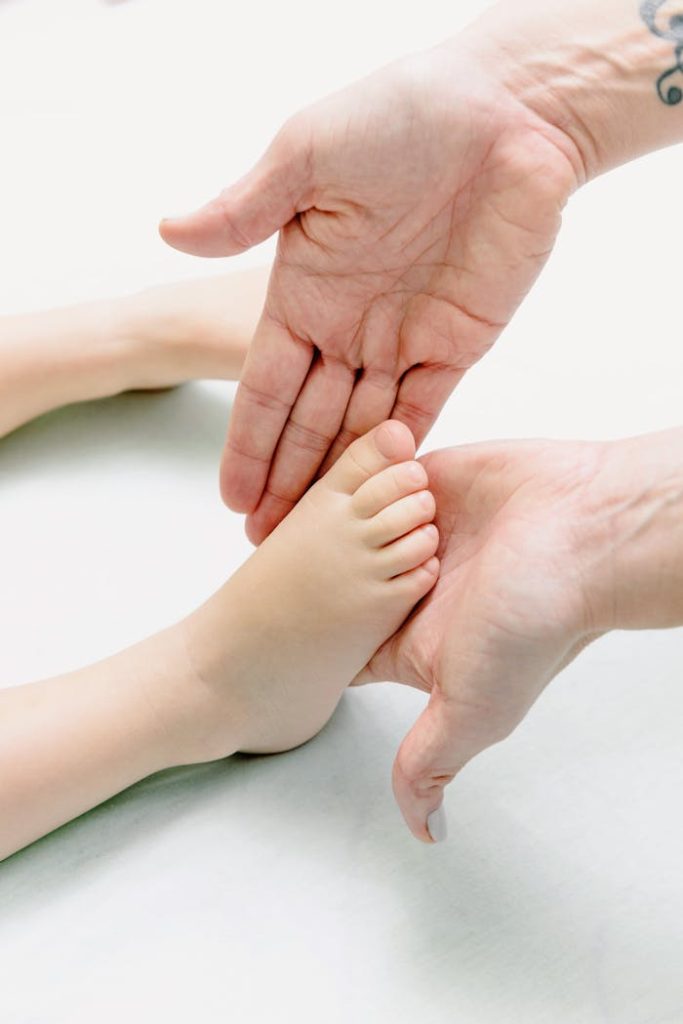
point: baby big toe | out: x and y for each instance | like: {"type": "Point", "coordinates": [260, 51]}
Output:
{"type": "Point", "coordinates": [389, 443]}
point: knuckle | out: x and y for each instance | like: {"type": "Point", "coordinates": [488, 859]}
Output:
{"type": "Point", "coordinates": [263, 399]}
{"type": "Point", "coordinates": [346, 437]}
{"type": "Point", "coordinates": [225, 207]}
{"type": "Point", "coordinates": [309, 439]}
{"type": "Point", "coordinates": [352, 455]}
{"type": "Point", "coordinates": [415, 416]}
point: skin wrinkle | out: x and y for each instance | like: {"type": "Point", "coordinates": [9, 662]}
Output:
{"type": "Point", "coordinates": [360, 333]}
{"type": "Point", "coordinates": [426, 227]}
{"type": "Point", "coordinates": [425, 287]}
{"type": "Point", "coordinates": [264, 399]}
{"type": "Point", "coordinates": [224, 205]}
{"type": "Point", "coordinates": [513, 223]}
{"type": "Point", "coordinates": [309, 438]}
{"type": "Point", "coordinates": [524, 164]}
{"type": "Point", "coordinates": [459, 702]}
{"type": "Point", "coordinates": [307, 162]}
{"type": "Point", "coordinates": [347, 436]}
{"type": "Point", "coordinates": [328, 358]}
{"type": "Point", "coordinates": [284, 499]}
{"type": "Point", "coordinates": [245, 454]}
{"type": "Point", "coordinates": [376, 377]}
{"type": "Point", "coordinates": [421, 264]}
{"type": "Point", "coordinates": [282, 324]}
{"type": "Point", "coordinates": [415, 415]}
{"type": "Point", "coordinates": [302, 220]}
{"type": "Point", "coordinates": [469, 314]}
{"type": "Point", "coordinates": [546, 83]}
{"type": "Point", "coordinates": [357, 272]}
{"type": "Point", "coordinates": [555, 85]}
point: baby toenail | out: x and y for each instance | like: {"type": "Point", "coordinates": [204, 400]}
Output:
{"type": "Point", "coordinates": [416, 473]}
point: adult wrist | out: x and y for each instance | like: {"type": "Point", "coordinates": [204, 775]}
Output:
{"type": "Point", "coordinates": [632, 524]}
{"type": "Point", "coordinates": [597, 74]}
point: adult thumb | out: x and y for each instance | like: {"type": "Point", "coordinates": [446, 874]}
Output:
{"type": "Point", "coordinates": [252, 209]}
{"type": "Point", "coordinates": [444, 738]}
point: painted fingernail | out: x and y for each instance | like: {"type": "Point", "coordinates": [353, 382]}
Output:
{"type": "Point", "coordinates": [437, 825]}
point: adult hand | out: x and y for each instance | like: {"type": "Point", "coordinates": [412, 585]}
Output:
{"type": "Point", "coordinates": [415, 210]}
{"type": "Point", "coordinates": [544, 546]}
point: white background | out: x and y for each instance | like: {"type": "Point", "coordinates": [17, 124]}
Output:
{"type": "Point", "coordinates": [287, 889]}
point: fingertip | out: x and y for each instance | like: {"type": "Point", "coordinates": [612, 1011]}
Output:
{"type": "Point", "coordinates": [234, 494]}
{"type": "Point", "coordinates": [205, 231]}
{"type": "Point", "coordinates": [430, 827]}
{"type": "Point", "coordinates": [268, 514]}
{"type": "Point", "coordinates": [254, 531]}
{"type": "Point", "coordinates": [179, 231]}
{"type": "Point", "coordinates": [436, 824]}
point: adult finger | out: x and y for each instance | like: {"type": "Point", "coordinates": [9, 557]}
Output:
{"type": "Point", "coordinates": [274, 372]}
{"type": "Point", "coordinates": [253, 208]}
{"type": "Point", "coordinates": [312, 425]}
{"type": "Point", "coordinates": [371, 403]}
{"type": "Point", "coordinates": [422, 393]}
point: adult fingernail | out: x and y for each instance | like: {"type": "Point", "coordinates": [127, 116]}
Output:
{"type": "Point", "coordinates": [437, 825]}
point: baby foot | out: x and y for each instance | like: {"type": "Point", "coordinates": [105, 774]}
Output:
{"type": "Point", "coordinates": [274, 649]}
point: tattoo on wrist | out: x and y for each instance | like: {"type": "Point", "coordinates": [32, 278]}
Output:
{"type": "Point", "coordinates": [667, 26]}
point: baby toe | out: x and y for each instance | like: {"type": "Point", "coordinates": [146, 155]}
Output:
{"type": "Point", "coordinates": [417, 582]}
{"type": "Point", "coordinates": [409, 551]}
{"type": "Point", "coordinates": [389, 486]}
{"type": "Point", "coordinates": [400, 518]}
{"type": "Point", "coordinates": [411, 587]}
{"type": "Point", "coordinates": [389, 443]}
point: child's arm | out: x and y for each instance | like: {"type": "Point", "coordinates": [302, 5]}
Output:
{"type": "Point", "coordinates": [157, 338]}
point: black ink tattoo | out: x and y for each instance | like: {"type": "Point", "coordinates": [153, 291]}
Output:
{"type": "Point", "coordinates": [670, 27]}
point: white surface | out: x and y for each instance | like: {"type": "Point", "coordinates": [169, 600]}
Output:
{"type": "Point", "coordinates": [287, 889]}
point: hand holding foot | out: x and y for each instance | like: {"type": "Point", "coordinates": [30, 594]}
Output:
{"type": "Point", "coordinates": [544, 546]}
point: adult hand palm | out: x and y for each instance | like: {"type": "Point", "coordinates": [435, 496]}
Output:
{"type": "Point", "coordinates": [415, 210]}
{"type": "Point", "coordinates": [506, 615]}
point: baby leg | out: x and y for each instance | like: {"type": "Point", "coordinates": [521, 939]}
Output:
{"type": "Point", "coordinates": [259, 667]}
{"type": "Point", "coordinates": [155, 339]}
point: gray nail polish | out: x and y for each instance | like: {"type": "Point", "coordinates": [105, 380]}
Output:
{"type": "Point", "coordinates": [437, 826]}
